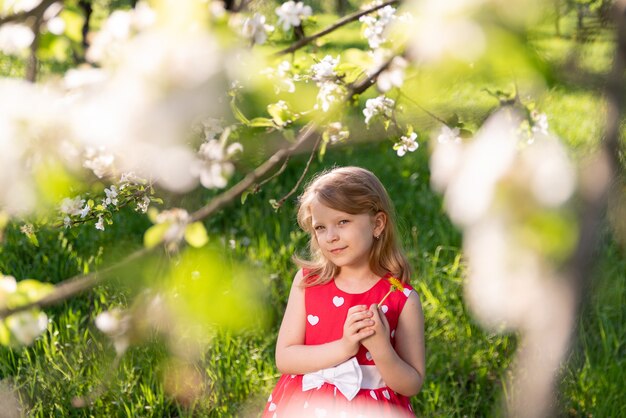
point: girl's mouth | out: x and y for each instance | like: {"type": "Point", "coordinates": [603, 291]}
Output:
{"type": "Point", "coordinates": [338, 250]}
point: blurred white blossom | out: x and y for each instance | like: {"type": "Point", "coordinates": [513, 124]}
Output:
{"type": "Point", "coordinates": [329, 94]}
{"type": "Point", "coordinates": [255, 29]}
{"type": "Point", "coordinates": [15, 38]}
{"type": "Point", "coordinates": [291, 14]}
{"type": "Point", "coordinates": [115, 324]}
{"type": "Point", "coordinates": [336, 132]}
{"type": "Point", "coordinates": [25, 326]}
{"type": "Point", "coordinates": [16, 6]}
{"type": "Point", "coordinates": [448, 134]}
{"type": "Point", "coordinates": [72, 206]}
{"type": "Point", "coordinates": [99, 161]}
{"type": "Point", "coordinates": [282, 77]}
{"type": "Point", "coordinates": [100, 223]}
{"type": "Point", "coordinates": [393, 75]}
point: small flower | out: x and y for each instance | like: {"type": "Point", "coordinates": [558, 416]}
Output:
{"type": "Point", "coordinates": [380, 105]}
{"type": "Point", "coordinates": [330, 93]}
{"type": "Point", "coordinates": [395, 285]}
{"type": "Point", "coordinates": [27, 325]}
{"type": "Point", "coordinates": [100, 223]}
{"type": "Point", "coordinates": [407, 143]}
{"type": "Point", "coordinates": [254, 28]}
{"type": "Point", "coordinates": [393, 76]}
{"type": "Point", "coordinates": [291, 14]}
{"type": "Point", "coordinates": [72, 206]}
{"type": "Point", "coordinates": [335, 132]}
{"type": "Point", "coordinates": [111, 196]}
{"type": "Point", "coordinates": [142, 206]}
{"type": "Point", "coordinates": [84, 211]}
{"type": "Point", "coordinates": [325, 69]}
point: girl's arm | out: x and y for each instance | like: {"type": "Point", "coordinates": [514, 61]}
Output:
{"type": "Point", "coordinates": [293, 357]}
{"type": "Point", "coordinates": [402, 369]}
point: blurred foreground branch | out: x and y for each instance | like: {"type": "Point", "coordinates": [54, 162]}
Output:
{"type": "Point", "coordinates": [538, 365]}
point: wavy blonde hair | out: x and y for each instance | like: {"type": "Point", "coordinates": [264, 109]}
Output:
{"type": "Point", "coordinates": [356, 191]}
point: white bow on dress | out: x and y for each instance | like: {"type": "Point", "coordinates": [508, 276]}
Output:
{"type": "Point", "coordinates": [346, 377]}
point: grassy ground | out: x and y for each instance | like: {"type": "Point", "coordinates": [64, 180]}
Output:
{"type": "Point", "coordinates": [466, 365]}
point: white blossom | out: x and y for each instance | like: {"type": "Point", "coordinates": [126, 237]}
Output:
{"type": "Point", "coordinates": [284, 81]}
{"type": "Point", "coordinates": [291, 14]}
{"type": "Point", "coordinates": [84, 211]}
{"type": "Point", "coordinates": [111, 196]}
{"type": "Point", "coordinates": [67, 222]}
{"type": "Point", "coordinates": [380, 105]}
{"type": "Point", "coordinates": [336, 132]}
{"type": "Point", "coordinates": [27, 325]}
{"type": "Point", "coordinates": [392, 76]}
{"type": "Point", "coordinates": [99, 161]}
{"type": "Point", "coordinates": [324, 71]}
{"type": "Point", "coordinates": [254, 28]}
{"type": "Point", "coordinates": [100, 223]}
{"type": "Point", "coordinates": [56, 25]}
{"type": "Point", "coordinates": [376, 24]}
{"type": "Point", "coordinates": [16, 6]}
{"type": "Point", "coordinates": [72, 206]}
{"type": "Point", "coordinates": [116, 325]}
{"type": "Point", "coordinates": [329, 94]}
{"type": "Point", "coordinates": [448, 134]}
{"type": "Point", "coordinates": [15, 38]}
{"type": "Point", "coordinates": [143, 205]}
{"type": "Point", "coordinates": [406, 144]}
{"type": "Point", "coordinates": [8, 284]}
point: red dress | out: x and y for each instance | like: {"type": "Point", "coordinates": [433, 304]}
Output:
{"type": "Point", "coordinates": [326, 310]}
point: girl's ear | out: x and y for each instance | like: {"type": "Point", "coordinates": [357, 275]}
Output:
{"type": "Point", "coordinates": [380, 222]}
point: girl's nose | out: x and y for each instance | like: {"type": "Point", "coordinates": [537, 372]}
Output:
{"type": "Point", "coordinates": [331, 235]}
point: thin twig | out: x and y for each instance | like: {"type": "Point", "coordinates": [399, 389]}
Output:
{"type": "Point", "coordinates": [423, 109]}
{"type": "Point", "coordinates": [341, 22]}
{"type": "Point", "coordinates": [258, 186]}
{"type": "Point", "coordinates": [282, 200]}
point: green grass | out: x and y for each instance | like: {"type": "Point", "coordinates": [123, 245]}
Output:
{"type": "Point", "coordinates": [466, 366]}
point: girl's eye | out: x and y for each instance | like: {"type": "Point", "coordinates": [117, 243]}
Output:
{"type": "Point", "coordinates": [343, 221]}
{"type": "Point", "coordinates": [319, 227]}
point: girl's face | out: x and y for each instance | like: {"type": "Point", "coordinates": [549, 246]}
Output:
{"type": "Point", "coordinates": [344, 238]}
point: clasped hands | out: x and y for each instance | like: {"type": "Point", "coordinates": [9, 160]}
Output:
{"type": "Point", "coordinates": [368, 326]}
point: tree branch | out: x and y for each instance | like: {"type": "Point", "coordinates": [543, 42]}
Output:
{"type": "Point", "coordinates": [341, 22]}
{"type": "Point", "coordinates": [36, 11]}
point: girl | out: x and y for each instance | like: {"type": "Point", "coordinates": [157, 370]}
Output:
{"type": "Point", "coordinates": [350, 344]}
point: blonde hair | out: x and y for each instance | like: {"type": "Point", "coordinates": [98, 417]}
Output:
{"type": "Point", "coordinates": [353, 190]}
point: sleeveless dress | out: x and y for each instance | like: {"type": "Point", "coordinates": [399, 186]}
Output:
{"type": "Point", "coordinates": [326, 310]}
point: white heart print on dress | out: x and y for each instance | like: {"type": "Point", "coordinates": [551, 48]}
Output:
{"type": "Point", "coordinates": [384, 308]}
{"type": "Point", "coordinates": [386, 394]}
{"type": "Point", "coordinates": [373, 395]}
{"type": "Point", "coordinates": [368, 356]}
{"type": "Point", "coordinates": [313, 320]}
{"type": "Point", "coordinates": [272, 407]}
{"type": "Point", "coordinates": [393, 333]}
{"type": "Point", "coordinates": [338, 301]}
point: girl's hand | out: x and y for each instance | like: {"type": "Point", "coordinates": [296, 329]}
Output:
{"type": "Point", "coordinates": [358, 325]}
{"type": "Point", "coordinates": [379, 341]}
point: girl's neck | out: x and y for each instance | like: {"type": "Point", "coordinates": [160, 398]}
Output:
{"type": "Point", "coordinates": [356, 280]}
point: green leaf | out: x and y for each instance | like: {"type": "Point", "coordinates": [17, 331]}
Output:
{"type": "Point", "coordinates": [244, 196]}
{"type": "Point", "coordinates": [33, 289]}
{"type": "Point", "coordinates": [196, 235]}
{"type": "Point", "coordinates": [154, 235]}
